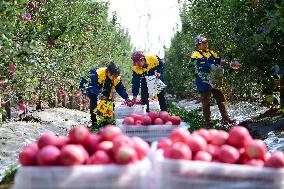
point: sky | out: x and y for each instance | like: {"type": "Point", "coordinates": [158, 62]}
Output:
{"type": "Point", "coordinates": [150, 23]}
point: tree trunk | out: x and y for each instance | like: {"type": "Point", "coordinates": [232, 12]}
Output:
{"type": "Point", "coordinates": [281, 91]}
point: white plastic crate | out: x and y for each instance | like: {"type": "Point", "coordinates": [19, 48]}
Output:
{"type": "Point", "coordinates": [151, 132]}
{"type": "Point", "coordinates": [122, 111]}
{"type": "Point", "coordinates": [84, 177]}
{"type": "Point", "coordinates": [182, 174]}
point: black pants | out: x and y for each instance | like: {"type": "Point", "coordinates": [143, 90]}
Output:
{"type": "Point", "coordinates": [93, 104]}
{"type": "Point", "coordinates": [145, 96]}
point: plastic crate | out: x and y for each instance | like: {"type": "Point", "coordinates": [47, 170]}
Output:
{"type": "Point", "coordinates": [122, 111]}
{"type": "Point", "coordinates": [84, 177]}
{"type": "Point", "coordinates": [151, 132]}
{"type": "Point", "coordinates": [183, 174]}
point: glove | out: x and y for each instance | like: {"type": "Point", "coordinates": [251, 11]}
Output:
{"type": "Point", "coordinates": [103, 98]}
{"type": "Point", "coordinates": [158, 75]}
{"type": "Point", "coordinates": [129, 102]}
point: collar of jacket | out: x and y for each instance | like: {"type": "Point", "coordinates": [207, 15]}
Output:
{"type": "Point", "coordinates": [102, 76]}
{"type": "Point", "coordinates": [151, 62]}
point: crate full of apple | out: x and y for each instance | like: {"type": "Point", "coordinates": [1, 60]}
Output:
{"type": "Point", "coordinates": [83, 160]}
{"type": "Point", "coordinates": [150, 126]}
{"type": "Point", "coordinates": [217, 159]}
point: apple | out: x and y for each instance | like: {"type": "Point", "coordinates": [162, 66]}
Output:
{"type": "Point", "coordinates": [12, 68]}
{"type": "Point", "coordinates": [125, 155]}
{"type": "Point", "coordinates": [79, 135]}
{"type": "Point", "coordinates": [219, 137]}
{"type": "Point", "coordinates": [135, 116]}
{"type": "Point", "coordinates": [141, 147]}
{"type": "Point", "coordinates": [204, 133]}
{"type": "Point", "coordinates": [110, 132]}
{"type": "Point", "coordinates": [47, 139]}
{"type": "Point", "coordinates": [179, 135]}
{"type": "Point", "coordinates": [212, 150]}
{"type": "Point", "coordinates": [146, 120]}
{"type": "Point", "coordinates": [28, 156]}
{"type": "Point", "coordinates": [175, 120]}
{"type": "Point", "coordinates": [158, 121]}
{"type": "Point", "coordinates": [276, 160]}
{"type": "Point", "coordinates": [196, 143]}
{"type": "Point", "coordinates": [165, 116]}
{"type": "Point", "coordinates": [178, 150]}
{"type": "Point", "coordinates": [72, 154]}
{"type": "Point", "coordinates": [164, 143]}
{"type": "Point", "coordinates": [169, 123]}
{"type": "Point", "coordinates": [92, 142]}
{"type": "Point", "coordinates": [238, 136]}
{"type": "Point", "coordinates": [256, 149]}
{"type": "Point", "coordinates": [121, 140]}
{"type": "Point", "coordinates": [153, 115]}
{"type": "Point", "coordinates": [138, 122]}
{"type": "Point", "coordinates": [105, 146]}
{"type": "Point", "coordinates": [62, 141]}
{"type": "Point", "coordinates": [48, 156]}
{"type": "Point", "coordinates": [255, 162]}
{"type": "Point", "coordinates": [228, 154]}
{"type": "Point", "coordinates": [128, 121]}
{"type": "Point", "coordinates": [32, 5]}
{"type": "Point", "coordinates": [99, 157]}
{"type": "Point", "coordinates": [203, 156]}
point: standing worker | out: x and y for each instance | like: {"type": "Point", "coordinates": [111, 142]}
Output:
{"type": "Point", "coordinates": [206, 63]}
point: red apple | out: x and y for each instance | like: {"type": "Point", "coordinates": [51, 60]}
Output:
{"type": "Point", "coordinates": [255, 162]}
{"type": "Point", "coordinates": [128, 121]}
{"type": "Point", "coordinates": [175, 120]}
{"type": "Point", "coordinates": [125, 155]}
{"type": "Point", "coordinates": [72, 154]}
{"type": "Point", "coordinates": [138, 122]}
{"type": "Point", "coordinates": [153, 115]}
{"type": "Point", "coordinates": [158, 121]}
{"type": "Point", "coordinates": [178, 150]}
{"type": "Point", "coordinates": [256, 149]}
{"type": "Point", "coordinates": [105, 146]}
{"type": "Point", "coordinates": [212, 150]}
{"type": "Point", "coordinates": [47, 139]}
{"type": "Point", "coordinates": [179, 135]}
{"type": "Point", "coordinates": [228, 154]}
{"type": "Point", "coordinates": [204, 133]}
{"type": "Point", "coordinates": [219, 137]}
{"type": "Point", "coordinates": [32, 5]}
{"type": "Point", "coordinates": [48, 156]}
{"type": "Point", "coordinates": [141, 147]}
{"type": "Point", "coordinates": [238, 136]}
{"type": "Point", "coordinates": [196, 143]}
{"type": "Point", "coordinates": [79, 135]}
{"type": "Point", "coordinates": [121, 140]}
{"type": "Point", "coordinates": [12, 68]}
{"type": "Point", "coordinates": [203, 156]}
{"type": "Point", "coordinates": [164, 143]}
{"type": "Point", "coordinates": [99, 157]}
{"type": "Point", "coordinates": [165, 116]}
{"type": "Point", "coordinates": [28, 155]}
{"type": "Point", "coordinates": [110, 132]}
{"type": "Point", "coordinates": [276, 160]}
{"type": "Point", "coordinates": [92, 142]}
{"type": "Point", "coordinates": [146, 120]}
{"type": "Point", "coordinates": [169, 123]}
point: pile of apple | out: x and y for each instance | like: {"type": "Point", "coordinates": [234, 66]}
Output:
{"type": "Point", "coordinates": [81, 147]}
{"type": "Point", "coordinates": [234, 147]}
{"type": "Point", "coordinates": [152, 118]}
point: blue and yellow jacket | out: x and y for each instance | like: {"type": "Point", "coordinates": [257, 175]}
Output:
{"type": "Point", "coordinates": [153, 65]}
{"type": "Point", "coordinates": [99, 82]}
{"type": "Point", "coordinates": [203, 61]}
